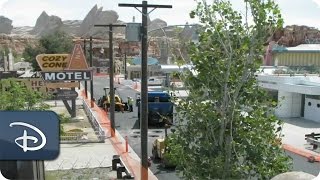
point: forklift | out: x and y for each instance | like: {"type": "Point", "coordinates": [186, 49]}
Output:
{"type": "Point", "coordinates": [104, 101]}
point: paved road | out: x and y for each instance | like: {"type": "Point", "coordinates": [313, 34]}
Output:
{"type": "Point", "coordinates": [301, 164]}
{"type": "Point", "coordinates": [126, 124]}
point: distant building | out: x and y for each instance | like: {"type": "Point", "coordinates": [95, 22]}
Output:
{"type": "Point", "coordinates": [22, 66]}
{"type": "Point", "coordinates": [302, 55]}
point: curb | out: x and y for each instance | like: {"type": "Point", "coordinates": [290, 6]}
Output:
{"type": "Point", "coordinates": [312, 157]}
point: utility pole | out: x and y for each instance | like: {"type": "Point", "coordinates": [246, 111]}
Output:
{"type": "Point", "coordinates": [85, 82]}
{"type": "Point", "coordinates": [91, 82]}
{"type": "Point", "coordinates": [125, 64]}
{"type": "Point", "coordinates": [111, 73]}
{"type": "Point", "coordinates": [144, 81]}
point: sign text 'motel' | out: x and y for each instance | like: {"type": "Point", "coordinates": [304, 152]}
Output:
{"type": "Point", "coordinates": [67, 76]}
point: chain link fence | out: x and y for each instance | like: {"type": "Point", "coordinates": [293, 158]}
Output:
{"type": "Point", "coordinates": [94, 121]}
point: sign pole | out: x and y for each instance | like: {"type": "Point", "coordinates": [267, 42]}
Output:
{"type": "Point", "coordinates": [144, 82]}
{"type": "Point", "coordinates": [85, 82]}
{"type": "Point", "coordinates": [91, 82]}
{"type": "Point", "coordinates": [73, 105]}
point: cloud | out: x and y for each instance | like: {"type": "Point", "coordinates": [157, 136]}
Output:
{"type": "Point", "coordinates": [2, 2]}
{"type": "Point", "coordinates": [317, 2]}
{"type": "Point", "coordinates": [24, 12]}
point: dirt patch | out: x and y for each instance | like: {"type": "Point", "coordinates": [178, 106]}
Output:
{"type": "Point", "coordinates": [82, 124]}
{"type": "Point", "coordinates": [92, 173]}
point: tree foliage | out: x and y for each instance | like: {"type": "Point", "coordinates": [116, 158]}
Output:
{"type": "Point", "coordinates": [57, 42]}
{"type": "Point", "coordinates": [15, 96]}
{"type": "Point", "coordinates": [226, 128]}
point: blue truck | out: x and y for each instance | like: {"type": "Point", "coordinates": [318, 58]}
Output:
{"type": "Point", "coordinates": [160, 108]}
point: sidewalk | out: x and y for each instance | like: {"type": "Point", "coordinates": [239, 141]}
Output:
{"type": "Point", "coordinates": [80, 155]}
{"type": "Point", "coordinates": [130, 158]}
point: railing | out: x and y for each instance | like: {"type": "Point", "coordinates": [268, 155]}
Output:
{"type": "Point", "coordinates": [93, 119]}
{"type": "Point", "coordinates": [293, 74]}
{"type": "Point", "coordinates": [70, 137]}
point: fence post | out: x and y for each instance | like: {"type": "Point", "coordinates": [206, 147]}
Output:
{"type": "Point", "coordinates": [126, 138]}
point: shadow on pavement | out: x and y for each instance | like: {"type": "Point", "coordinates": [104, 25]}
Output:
{"type": "Point", "coordinates": [301, 122]}
{"type": "Point", "coordinates": [161, 169]}
{"type": "Point", "coordinates": [137, 125]}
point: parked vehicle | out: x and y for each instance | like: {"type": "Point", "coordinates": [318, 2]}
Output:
{"type": "Point", "coordinates": [160, 108]}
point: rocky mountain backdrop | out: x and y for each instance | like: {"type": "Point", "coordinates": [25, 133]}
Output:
{"type": "Point", "coordinates": [17, 37]}
{"type": "Point", "coordinates": [294, 35]}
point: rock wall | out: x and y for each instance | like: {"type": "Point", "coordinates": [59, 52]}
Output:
{"type": "Point", "coordinates": [5, 25]}
{"type": "Point", "coordinates": [295, 35]}
{"type": "Point", "coordinates": [97, 16]}
{"type": "Point", "coordinates": [156, 24]}
{"type": "Point", "coordinates": [46, 24]}
{"type": "Point", "coordinates": [16, 42]}
{"type": "Point", "coordinates": [71, 26]}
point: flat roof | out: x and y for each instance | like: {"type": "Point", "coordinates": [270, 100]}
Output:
{"type": "Point", "coordinates": [299, 48]}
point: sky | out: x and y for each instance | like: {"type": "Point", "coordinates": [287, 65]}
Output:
{"type": "Point", "coordinates": [26, 12]}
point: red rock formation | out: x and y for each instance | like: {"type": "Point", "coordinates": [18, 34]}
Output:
{"type": "Point", "coordinates": [294, 35]}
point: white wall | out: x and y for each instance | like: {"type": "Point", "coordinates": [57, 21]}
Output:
{"type": "Point", "coordinates": [289, 104]}
{"type": "Point", "coordinates": [312, 112]}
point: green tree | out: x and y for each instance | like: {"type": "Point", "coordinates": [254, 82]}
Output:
{"type": "Point", "coordinates": [226, 128]}
{"type": "Point", "coordinates": [29, 54]}
{"type": "Point", "coordinates": [15, 96]}
{"type": "Point", "coordinates": [57, 42]}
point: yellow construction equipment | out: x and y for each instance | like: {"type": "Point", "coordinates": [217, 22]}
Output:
{"type": "Point", "coordinates": [105, 102]}
{"type": "Point", "coordinates": [159, 149]}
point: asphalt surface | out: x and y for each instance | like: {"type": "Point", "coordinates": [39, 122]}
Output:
{"type": "Point", "coordinates": [301, 164]}
{"type": "Point", "coordinates": [127, 125]}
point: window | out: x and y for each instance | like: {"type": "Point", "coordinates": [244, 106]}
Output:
{"type": "Point", "coordinates": [309, 103]}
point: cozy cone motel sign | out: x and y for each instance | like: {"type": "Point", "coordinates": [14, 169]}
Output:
{"type": "Point", "coordinates": [61, 67]}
